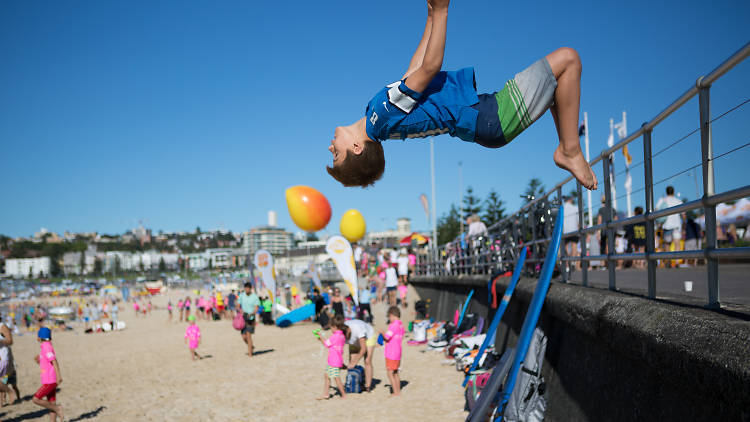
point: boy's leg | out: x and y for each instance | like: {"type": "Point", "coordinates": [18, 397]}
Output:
{"type": "Point", "coordinates": [326, 387]}
{"type": "Point", "coordinates": [340, 386]}
{"type": "Point", "coordinates": [51, 406]}
{"type": "Point", "coordinates": [566, 66]}
{"type": "Point", "coordinates": [396, 383]}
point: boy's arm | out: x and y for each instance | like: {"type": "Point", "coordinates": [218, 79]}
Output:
{"type": "Point", "coordinates": [57, 371]}
{"type": "Point", "coordinates": [418, 57]}
{"type": "Point", "coordinates": [433, 56]}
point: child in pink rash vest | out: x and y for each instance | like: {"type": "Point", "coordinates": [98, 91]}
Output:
{"type": "Point", "coordinates": [50, 375]}
{"type": "Point", "coordinates": [335, 344]}
{"type": "Point", "coordinates": [193, 337]}
{"type": "Point", "coordinates": [393, 338]}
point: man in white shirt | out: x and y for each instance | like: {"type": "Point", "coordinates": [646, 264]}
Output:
{"type": "Point", "coordinates": [476, 227]}
{"type": "Point", "coordinates": [391, 283]}
{"type": "Point", "coordinates": [570, 224]}
{"type": "Point", "coordinates": [672, 226]}
{"type": "Point", "coordinates": [362, 341]}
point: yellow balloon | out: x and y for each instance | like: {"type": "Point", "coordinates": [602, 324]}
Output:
{"type": "Point", "coordinates": [352, 225]}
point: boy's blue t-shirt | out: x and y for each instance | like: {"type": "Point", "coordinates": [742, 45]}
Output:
{"type": "Point", "coordinates": [445, 106]}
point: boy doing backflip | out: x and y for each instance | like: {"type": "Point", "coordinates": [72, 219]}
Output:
{"type": "Point", "coordinates": [428, 101]}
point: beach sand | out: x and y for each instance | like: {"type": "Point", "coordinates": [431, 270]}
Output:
{"type": "Point", "coordinates": [144, 373]}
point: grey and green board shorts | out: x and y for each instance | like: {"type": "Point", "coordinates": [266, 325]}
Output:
{"type": "Point", "coordinates": [503, 115]}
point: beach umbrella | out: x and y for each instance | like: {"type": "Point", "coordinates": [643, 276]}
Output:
{"type": "Point", "coordinates": [414, 237]}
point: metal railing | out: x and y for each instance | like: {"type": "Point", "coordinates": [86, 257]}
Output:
{"type": "Point", "coordinates": [530, 226]}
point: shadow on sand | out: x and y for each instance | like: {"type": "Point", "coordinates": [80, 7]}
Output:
{"type": "Point", "coordinates": [88, 415]}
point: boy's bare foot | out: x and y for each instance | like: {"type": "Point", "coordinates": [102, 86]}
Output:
{"type": "Point", "coordinates": [60, 412]}
{"type": "Point", "coordinates": [577, 166]}
{"type": "Point", "coordinates": [322, 397]}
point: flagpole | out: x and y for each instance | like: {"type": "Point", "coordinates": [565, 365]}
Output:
{"type": "Point", "coordinates": [588, 191]}
{"type": "Point", "coordinates": [628, 179]}
{"type": "Point", "coordinates": [611, 143]}
{"type": "Point", "coordinates": [461, 194]}
{"type": "Point", "coordinates": [434, 214]}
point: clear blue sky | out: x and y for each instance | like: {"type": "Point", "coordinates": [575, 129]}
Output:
{"type": "Point", "coordinates": [189, 114]}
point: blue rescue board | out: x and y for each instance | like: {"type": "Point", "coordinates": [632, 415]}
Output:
{"type": "Point", "coordinates": [297, 315]}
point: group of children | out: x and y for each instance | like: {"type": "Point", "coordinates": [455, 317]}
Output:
{"type": "Point", "coordinates": [392, 339]}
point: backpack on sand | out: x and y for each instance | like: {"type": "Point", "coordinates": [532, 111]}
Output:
{"type": "Point", "coordinates": [528, 402]}
{"type": "Point", "coordinates": [355, 378]}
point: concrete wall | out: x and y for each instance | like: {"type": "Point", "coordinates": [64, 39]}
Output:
{"type": "Point", "coordinates": [617, 357]}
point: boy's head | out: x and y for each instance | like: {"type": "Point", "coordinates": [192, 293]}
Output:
{"type": "Point", "coordinates": [357, 160]}
{"type": "Point", "coordinates": [44, 334]}
{"type": "Point", "coordinates": [638, 210]}
{"type": "Point", "coordinates": [394, 311]}
{"type": "Point", "coordinates": [337, 322]}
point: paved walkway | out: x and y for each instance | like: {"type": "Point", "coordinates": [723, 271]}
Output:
{"type": "Point", "coordinates": [734, 283]}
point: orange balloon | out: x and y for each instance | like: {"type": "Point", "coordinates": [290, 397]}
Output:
{"type": "Point", "coordinates": [308, 208]}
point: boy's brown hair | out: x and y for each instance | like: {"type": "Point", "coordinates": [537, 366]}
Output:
{"type": "Point", "coordinates": [362, 169]}
{"type": "Point", "coordinates": [338, 322]}
{"type": "Point", "coordinates": [393, 310]}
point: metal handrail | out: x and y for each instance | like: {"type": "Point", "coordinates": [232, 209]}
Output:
{"type": "Point", "coordinates": [708, 202]}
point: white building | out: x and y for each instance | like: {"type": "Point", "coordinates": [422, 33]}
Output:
{"type": "Point", "coordinates": [391, 237]}
{"type": "Point", "coordinates": [197, 261]}
{"type": "Point", "coordinates": [24, 267]}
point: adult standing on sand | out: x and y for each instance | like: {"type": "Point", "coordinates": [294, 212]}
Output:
{"type": "Point", "coordinates": [362, 341]}
{"type": "Point", "coordinates": [7, 368]}
{"type": "Point", "coordinates": [249, 303]}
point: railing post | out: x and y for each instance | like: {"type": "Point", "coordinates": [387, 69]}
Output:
{"type": "Point", "coordinates": [531, 219]}
{"type": "Point", "coordinates": [649, 192]}
{"type": "Point", "coordinates": [581, 238]}
{"type": "Point", "coordinates": [564, 265]}
{"type": "Point", "coordinates": [707, 154]}
{"type": "Point", "coordinates": [608, 219]}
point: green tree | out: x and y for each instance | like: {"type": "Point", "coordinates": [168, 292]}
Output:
{"type": "Point", "coordinates": [54, 266]}
{"type": "Point", "coordinates": [162, 265]}
{"type": "Point", "coordinates": [97, 266]}
{"type": "Point", "coordinates": [535, 188]}
{"type": "Point", "coordinates": [82, 263]}
{"type": "Point", "coordinates": [210, 263]}
{"type": "Point", "coordinates": [118, 266]}
{"type": "Point", "coordinates": [494, 210]}
{"type": "Point", "coordinates": [31, 272]}
{"type": "Point", "coordinates": [472, 204]}
{"type": "Point", "coordinates": [449, 225]}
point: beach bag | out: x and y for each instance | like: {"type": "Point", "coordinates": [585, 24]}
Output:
{"type": "Point", "coordinates": [474, 388]}
{"type": "Point", "coordinates": [528, 402]}
{"type": "Point", "coordinates": [420, 330]}
{"type": "Point", "coordinates": [354, 380]}
{"type": "Point", "coordinates": [238, 322]}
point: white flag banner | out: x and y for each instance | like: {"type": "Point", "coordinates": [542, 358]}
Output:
{"type": "Point", "coordinates": [611, 141]}
{"type": "Point", "coordinates": [340, 251]}
{"type": "Point", "coordinates": [628, 182]}
{"type": "Point", "coordinates": [622, 130]}
{"type": "Point", "coordinates": [313, 273]}
{"type": "Point", "coordinates": [264, 262]}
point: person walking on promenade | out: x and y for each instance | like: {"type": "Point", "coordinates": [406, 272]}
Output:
{"type": "Point", "coordinates": [672, 225]}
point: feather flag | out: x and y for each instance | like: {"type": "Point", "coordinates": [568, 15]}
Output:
{"type": "Point", "coordinates": [423, 200]}
{"type": "Point", "coordinates": [628, 157]}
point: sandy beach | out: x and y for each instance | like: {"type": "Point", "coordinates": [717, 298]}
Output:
{"type": "Point", "coordinates": [144, 373]}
